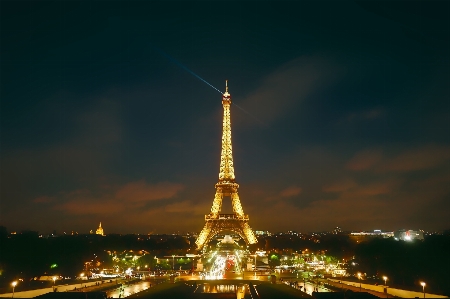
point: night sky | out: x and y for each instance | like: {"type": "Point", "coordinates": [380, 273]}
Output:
{"type": "Point", "coordinates": [341, 114]}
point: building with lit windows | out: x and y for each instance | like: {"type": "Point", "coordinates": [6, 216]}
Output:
{"type": "Point", "coordinates": [408, 235]}
{"type": "Point", "coordinates": [99, 230]}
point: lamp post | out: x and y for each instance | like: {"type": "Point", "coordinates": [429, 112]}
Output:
{"type": "Point", "coordinates": [359, 277]}
{"type": "Point", "coordinates": [81, 277]}
{"type": "Point", "coordinates": [385, 278]}
{"type": "Point", "coordinates": [423, 284]}
{"type": "Point", "coordinates": [173, 263]}
{"type": "Point", "coordinates": [13, 284]}
{"type": "Point", "coordinates": [317, 282]}
{"type": "Point", "coordinates": [54, 280]}
{"type": "Point", "coordinates": [254, 265]}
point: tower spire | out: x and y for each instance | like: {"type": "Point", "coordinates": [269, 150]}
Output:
{"type": "Point", "coordinates": [226, 94]}
{"type": "Point", "coordinates": [226, 172]}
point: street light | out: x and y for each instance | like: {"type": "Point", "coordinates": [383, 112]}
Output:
{"type": "Point", "coordinates": [385, 278]}
{"type": "Point", "coordinates": [54, 279]}
{"type": "Point", "coordinates": [13, 284]}
{"type": "Point", "coordinates": [173, 263]}
{"type": "Point", "coordinates": [359, 277]}
{"type": "Point", "coordinates": [81, 277]}
{"type": "Point", "coordinates": [423, 287]}
{"type": "Point", "coordinates": [254, 255]}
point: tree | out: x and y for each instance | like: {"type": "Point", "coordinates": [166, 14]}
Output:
{"type": "Point", "coordinates": [274, 260]}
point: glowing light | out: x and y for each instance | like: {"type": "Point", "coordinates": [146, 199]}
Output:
{"type": "Point", "coordinates": [226, 158]}
{"type": "Point", "coordinates": [184, 67]}
{"type": "Point", "coordinates": [423, 284]}
{"type": "Point", "coordinates": [217, 269]}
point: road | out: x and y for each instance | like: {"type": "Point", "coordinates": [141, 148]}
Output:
{"type": "Point", "coordinates": [357, 289]}
{"type": "Point", "coordinates": [60, 288]}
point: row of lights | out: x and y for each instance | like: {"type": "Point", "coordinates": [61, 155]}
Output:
{"type": "Point", "coordinates": [423, 284]}
{"type": "Point", "coordinates": [14, 283]}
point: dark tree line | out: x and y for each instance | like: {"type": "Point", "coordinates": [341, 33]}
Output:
{"type": "Point", "coordinates": [404, 263]}
{"type": "Point", "coordinates": [26, 255]}
{"type": "Point", "coordinates": [408, 263]}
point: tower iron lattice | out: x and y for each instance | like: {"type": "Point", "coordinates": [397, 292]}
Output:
{"type": "Point", "coordinates": [227, 186]}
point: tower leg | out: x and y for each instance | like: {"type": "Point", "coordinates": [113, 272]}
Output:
{"type": "Point", "coordinates": [203, 235]}
{"type": "Point", "coordinates": [237, 207]}
{"type": "Point", "coordinates": [217, 203]}
{"type": "Point", "coordinates": [249, 233]}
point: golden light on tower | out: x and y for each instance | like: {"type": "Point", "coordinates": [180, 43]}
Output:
{"type": "Point", "coordinates": [227, 186]}
{"type": "Point", "coordinates": [226, 158]}
{"type": "Point", "coordinates": [99, 230]}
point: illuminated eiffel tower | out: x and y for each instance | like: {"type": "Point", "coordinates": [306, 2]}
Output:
{"type": "Point", "coordinates": [227, 186]}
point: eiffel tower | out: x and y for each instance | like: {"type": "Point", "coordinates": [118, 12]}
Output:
{"type": "Point", "coordinates": [227, 186]}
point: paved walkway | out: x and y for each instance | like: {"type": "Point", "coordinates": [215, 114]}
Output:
{"type": "Point", "coordinates": [356, 289]}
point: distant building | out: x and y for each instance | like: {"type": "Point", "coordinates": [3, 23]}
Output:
{"type": "Point", "coordinates": [408, 235]}
{"type": "Point", "coordinates": [262, 233]}
{"type": "Point", "coordinates": [293, 233]}
{"type": "Point", "coordinates": [99, 230]}
{"type": "Point", "coordinates": [365, 236]}
{"type": "Point", "coordinates": [338, 272]}
{"type": "Point", "coordinates": [337, 230]}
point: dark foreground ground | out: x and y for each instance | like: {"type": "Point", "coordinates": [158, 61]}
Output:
{"type": "Point", "coordinates": [264, 290]}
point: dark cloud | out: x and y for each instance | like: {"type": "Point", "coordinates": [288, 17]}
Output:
{"type": "Point", "coordinates": [288, 86]}
{"type": "Point", "coordinates": [425, 157]}
{"type": "Point", "coordinates": [364, 160]}
{"type": "Point", "coordinates": [341, 115]}
{"type": "Point", "coordinates": [291, 191]}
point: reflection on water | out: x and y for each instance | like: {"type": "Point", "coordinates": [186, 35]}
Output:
{"type": "Point", "coordinates": [239, 289]}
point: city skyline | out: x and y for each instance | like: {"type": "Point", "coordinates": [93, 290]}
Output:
{"type": "Point", "coordinates": [341, 114]}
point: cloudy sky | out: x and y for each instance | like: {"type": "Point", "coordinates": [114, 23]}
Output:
{"type": "Point", "coordinates": [341, 114]}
